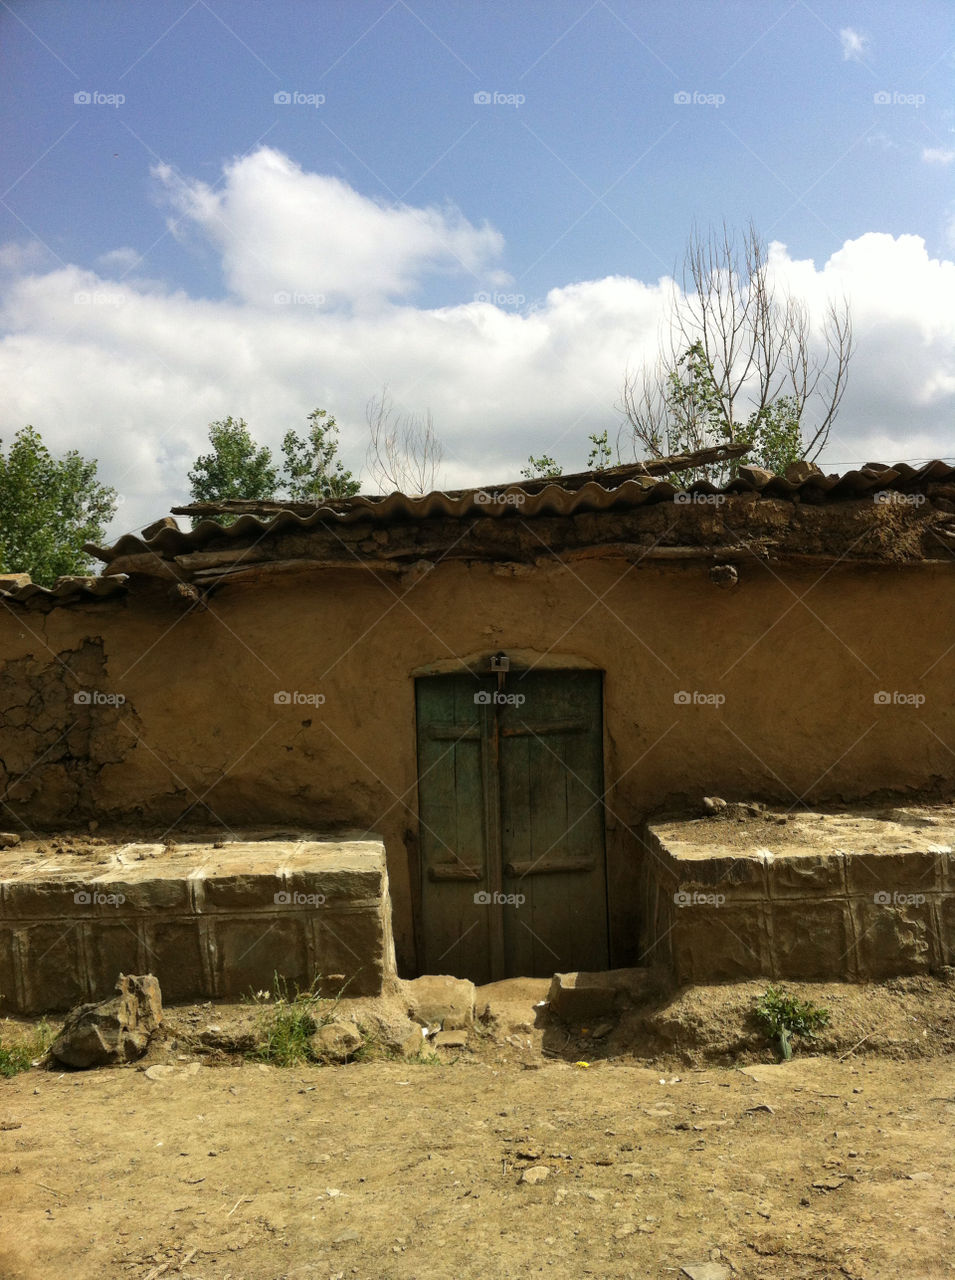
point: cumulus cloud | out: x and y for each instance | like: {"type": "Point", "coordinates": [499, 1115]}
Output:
{"type": "Point", "coordinates": [855, 45]}
{"type": "Point", "coordinates": [282, 231]}
{"type": "Point", "coordinates": [938, 155]}
{"type": "Point", "coordinates": [132, 372]}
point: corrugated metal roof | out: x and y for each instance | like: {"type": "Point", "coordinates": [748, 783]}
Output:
{"type": "Point", "coordinates": [511, 500]}
{"type": "Point", "coordinates": [66, 590]}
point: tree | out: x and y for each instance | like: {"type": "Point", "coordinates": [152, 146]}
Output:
{"type": "Point", "coordinates": [404, 453]}
{"type": "Point", "coordinates": [236, 468]}
{"type": "Point", "coordinates": [49, 507]}
{"type": "Point", "coordinates": [542, 468]}
{"type": "Point", "coordinates": [312, 469]}
{"type": "Point", "coordinates": [740, 364]}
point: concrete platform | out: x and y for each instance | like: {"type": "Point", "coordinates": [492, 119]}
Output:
{"type": "Point", "coordinates": [208, 918]}
{"type": "Point", "coordinates": [854, 896]}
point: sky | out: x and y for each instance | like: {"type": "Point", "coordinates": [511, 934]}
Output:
{"type": "Point", "coordinates": [260, 209]}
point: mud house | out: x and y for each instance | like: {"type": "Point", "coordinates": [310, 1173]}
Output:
{"type": "Point", "coordinates": [502, 684]}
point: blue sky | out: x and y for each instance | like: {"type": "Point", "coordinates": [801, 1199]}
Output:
{"type": "Point", "coordinates": [827, 125]}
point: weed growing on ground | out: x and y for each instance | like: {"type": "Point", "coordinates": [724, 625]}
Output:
{"type": "Point", "coordinates": [288, 1022]}
{"type": "Point", "coordinates": [20, 1057]}
{"type": "Point", "coordinates": [783, 1016]}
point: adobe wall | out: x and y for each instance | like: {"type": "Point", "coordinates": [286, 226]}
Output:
{"type": "Point", "coordinates": [798, 655]}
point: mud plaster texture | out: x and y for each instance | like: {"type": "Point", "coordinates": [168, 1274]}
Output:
{"type": "Point", "coordinates": [798, 657]}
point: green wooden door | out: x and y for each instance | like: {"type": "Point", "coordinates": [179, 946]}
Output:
{"type": "Point", "coordinates": [510, 788]}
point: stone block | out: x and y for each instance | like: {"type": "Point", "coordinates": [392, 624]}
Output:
{"type": "Point", "coordinates": [111, 949]}
{"type": "Point", "coordinates": [52, 966]}
{"type": "Point", "coordinates": [250, 952]}
{"type": "Point", "coordinates": [9, 996]}
{"type": "Point", "coordinates": [174, 953]}
{"type": "Point", "coordinates": [245, 893]}
{"type": "Point", "coordinates": [868, 874]}
{"type": "Point", "coordinates": [584, 997]}
{"type": "Point", "coordinates": [350, 951]}
{"type": "Point", "coordinates": [49, 899]}
{"type": "Point", "coordinates": [159, 893]}
{"type": "Point", "coordinates": [338, 885]}
{"type": "Point", "coordinates": [721, 944]}
{"type": "Point", "coordinates": [946, 921]}
{"type": "Point", "coordinates": [895, 938]}
{"type": "Point", "coordinates": [807, 875]}
{"type": "Point", "coordinates": [812, 941]}
{"type": "Point", "coordinates": [114, 1030]}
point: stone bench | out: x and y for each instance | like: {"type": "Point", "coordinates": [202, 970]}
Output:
{"type": "Point", "coordinates": [209, 919]}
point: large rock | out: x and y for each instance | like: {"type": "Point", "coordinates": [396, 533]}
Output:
{"type": "Point", "coordinates": [335, 1042]}
{"type": "Point", "coordinates": [115, 1030]}
{"type": "Point", "coordinates": [439, 998]}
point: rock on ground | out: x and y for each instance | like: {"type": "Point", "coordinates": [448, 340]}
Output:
{"type": "Point", "coordinates": [114, 1030]}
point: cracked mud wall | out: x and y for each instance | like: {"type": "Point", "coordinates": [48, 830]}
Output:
{"type": "Point", "coordinates": [204, 740]}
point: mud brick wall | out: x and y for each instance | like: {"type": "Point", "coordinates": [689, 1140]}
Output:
{"type": "Point", "coordinates": [829, 915]}
{"type": "Point", "coordinates": [204, 930]}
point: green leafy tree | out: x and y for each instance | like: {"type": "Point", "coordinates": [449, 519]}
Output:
{"type": "Point", "coordinates": [542, 468]}
{"type": "Point", "coordinates": [237, 467]}
{"type": "Point", "coordinates": [49, 507]}
{"type": "Point", "coordinates": [313, 470]}
{"type": "Point", "coordinates": [744, 363]}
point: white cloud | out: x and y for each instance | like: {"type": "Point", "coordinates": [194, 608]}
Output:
{"type": "Point", "coordinates": [938, 155]}
{"type": "Point", "coordinates": [121, 260]}
{"type": "Point", "coordinates": [855, 45]}
{"type": "Point", "coordinates": [281, 230]}
{"type": "Point", "coordinates": [132, 373]}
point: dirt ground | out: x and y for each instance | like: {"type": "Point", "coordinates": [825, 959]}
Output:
{"type": "Point", "coordinates": [537, 1149]}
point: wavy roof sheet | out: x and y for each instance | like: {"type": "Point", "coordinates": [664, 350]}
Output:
{"type": "Point", "coordinates": [508, 501]}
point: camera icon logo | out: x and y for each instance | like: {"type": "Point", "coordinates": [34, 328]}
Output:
{"type": "Point", "coordinates": [282, 98]}
{"type": "Point", "coordinates": [82, 698]}
{"type": "Point", "coordinates": [82, 898]}
{"type": "Point", "coordinates": [482, 698]}
{"type": "Point", "coordinates": [881, 899]}
{"type": "Point", "coordinates": [482, 98]}
{"type": "Point", "coordinates": [882, 699]}
{"type": "Point", "coordinates": [483, 296]}
{"type": "Point", "coordinates": [681, 698]}
{"type": "Point", "coordinates": [681, 898]}
{"type": "Point", "coordinates": [82, 99]}
{"type": "Point", "coordinates": [681, 98]}
{"type": "Point", "coordinates": [282, 698]}
{"type": "Point", "coordinates": [283, 898]}
{"type": "Point", "coordinates": [482, 898]}
{"type": "Point", "coordinates": [882, 98]}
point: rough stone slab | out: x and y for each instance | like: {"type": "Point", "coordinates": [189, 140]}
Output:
{"type": "Point", "coordinates": [582, 996]}
{"type": "Point", "coordinates": [442, 999]}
